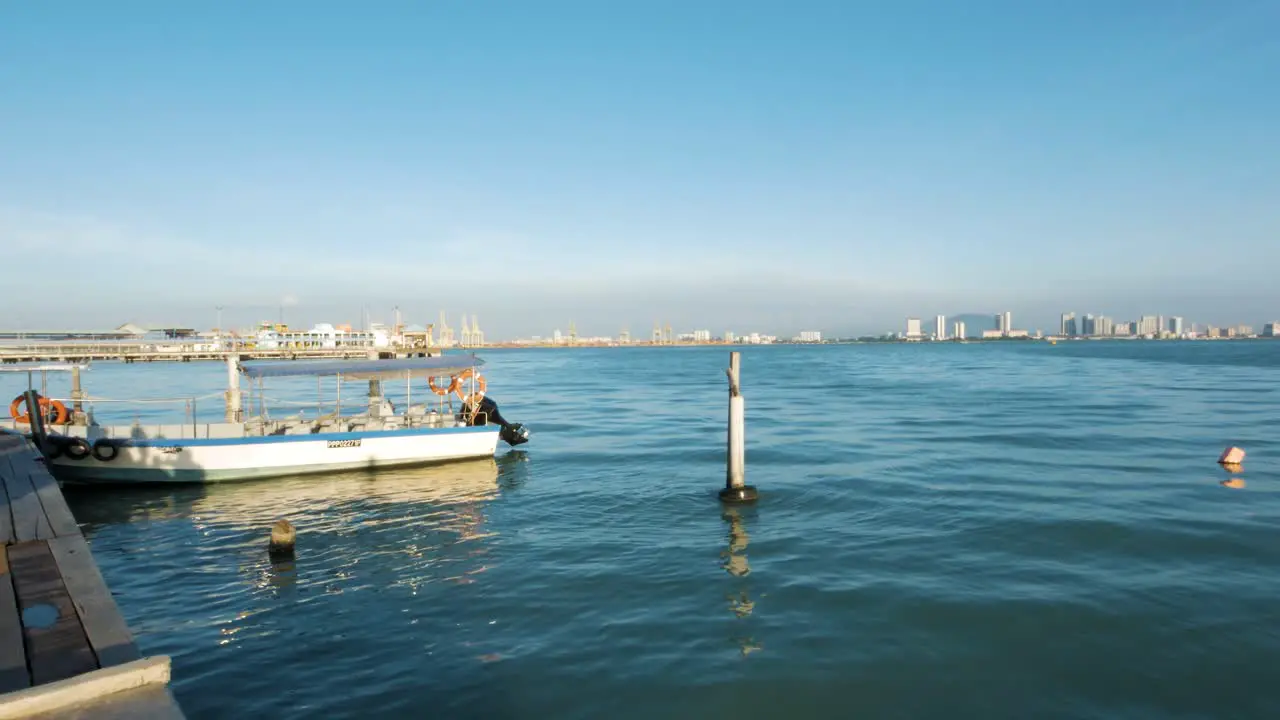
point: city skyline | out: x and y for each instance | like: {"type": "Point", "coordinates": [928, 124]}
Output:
{"type": "Point", "coordinates": [293, 313]}
{"type": "Point", "coordinates": [458, 325]}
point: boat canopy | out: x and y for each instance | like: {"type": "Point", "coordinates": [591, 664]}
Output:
{"type": "Point", "coordinates": [365, 369]}
{"type": "Point", "coordinates": [42, 367]}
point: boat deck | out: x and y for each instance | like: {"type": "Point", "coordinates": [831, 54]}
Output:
{"type": "Point", "coordinates": [65, 650]}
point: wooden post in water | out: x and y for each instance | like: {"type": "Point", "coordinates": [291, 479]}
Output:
{"type": "Point", "coordinates": [735, 488]}
{"type": "Point", "coordinates": [283, 537]}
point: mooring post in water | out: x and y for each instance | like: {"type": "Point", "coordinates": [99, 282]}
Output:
{"type": "Point", "coordinates": [233, 390]}
{"type": "Point", "coordinates": [735, 488]}
{"type": "Point", "coordinates": [282, 539]}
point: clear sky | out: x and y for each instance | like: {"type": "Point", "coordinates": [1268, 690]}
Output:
{"type": "Point", "coordinates": [729, 165]}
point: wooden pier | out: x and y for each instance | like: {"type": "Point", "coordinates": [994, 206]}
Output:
{"type": "Point", "coordinates": [65, 650]}
{"type": "Point", "coordinates": [11, 354]}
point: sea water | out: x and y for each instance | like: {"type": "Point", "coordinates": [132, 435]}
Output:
{"type": "Point", "coordinates": [1001, 530]}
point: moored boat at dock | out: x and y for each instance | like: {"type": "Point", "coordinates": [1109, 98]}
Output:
{"type": "Point", "coordinates": [457, 422]}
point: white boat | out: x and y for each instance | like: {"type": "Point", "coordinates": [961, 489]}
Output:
{"type": "Point", "coordinates": [80, 450]}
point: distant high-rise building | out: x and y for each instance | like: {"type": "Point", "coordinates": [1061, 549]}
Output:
{"type": "Point", "coordinates": [913, 327]}
{"type": "Point", "coordinates": [1269, 330]}
{"type": "Point", "coordinates": [1068, 327]}
{"type": "Point", "coordinates": [957, 330]}
{"type": "Point", "coordinates": [1148, 325]}
{"type": "Point", "coordinates": [999, 326]}
{"type": "Point", "coordinates": [810, 336]}
{"type": "Point", "coordinates": [941, 327]}
{"type": "Point", "coordinates": [728, 337]}
{"type": "Point", "coordinates": [1097, 325]}
{"type": "Point", "coordinates": [1175, 325]}
{"type": "Point", "coordinates": [1008, 321]}
{"type": "Point", "coordinates": [1089, 325]}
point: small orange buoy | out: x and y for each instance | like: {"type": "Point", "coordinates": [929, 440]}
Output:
{"type": "Point", "coordinates": [1233, 483]}
{"type": "Point", "coordinates": [1231, 456]}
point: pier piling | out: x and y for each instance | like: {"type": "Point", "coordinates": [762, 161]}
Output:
{"type": "Point", "coordinates": [736, 490]}
{"type": "Point", "coordinates": [282, 539]}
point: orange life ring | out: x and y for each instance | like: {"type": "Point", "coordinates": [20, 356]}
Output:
{"type": "Point", "coordinates": [60, 411]}
{"type": "Point", "coordinates": [468, 374]}
{"type": "Point", "coordinates": [442, 391]}
{"type": "Point", "coordinates": [62, 415]}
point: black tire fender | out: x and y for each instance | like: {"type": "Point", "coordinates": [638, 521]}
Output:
{"type": "Point", "coordinates": [77, 449]}
{"type": "Point", "coordinates": [105, 451]}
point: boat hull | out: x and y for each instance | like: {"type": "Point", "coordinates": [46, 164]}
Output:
{"type": "Point", "coordinates": [230, 459]}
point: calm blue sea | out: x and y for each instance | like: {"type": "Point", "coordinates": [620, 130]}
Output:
{"type": "Point", "coordinates": [945, 531]}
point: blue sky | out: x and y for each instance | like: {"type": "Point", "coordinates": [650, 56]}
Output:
{"type": "Point", "coordinates": [730, 165]}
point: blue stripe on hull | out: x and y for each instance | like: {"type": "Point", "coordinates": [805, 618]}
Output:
{"type": "Point", "coordinates": [267, 439]}
{"type": "Point", "coordinates": [105, 475]}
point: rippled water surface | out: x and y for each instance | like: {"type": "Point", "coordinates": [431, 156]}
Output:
{"type": "Point", "coordinates": [985, 530]}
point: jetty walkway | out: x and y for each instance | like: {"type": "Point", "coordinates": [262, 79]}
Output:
{"type": "Point", "coordinates": [65, 650]}
{"type": "Point", "coordinates": [151, 353]}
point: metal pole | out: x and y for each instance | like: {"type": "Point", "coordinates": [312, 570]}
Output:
{"type": "Point", "coordinates": [735, 488]}
{"type": "Point", "coordinates": [36, 414]}
{"type": "Point", "coordinates": [234, 413]}
{"type": "Point", "coordinates": [77, 396]}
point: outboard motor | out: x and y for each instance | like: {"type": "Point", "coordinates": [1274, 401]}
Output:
{"type": "Point", "coordinates": [487, 414]}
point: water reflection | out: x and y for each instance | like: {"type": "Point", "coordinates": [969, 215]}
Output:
{"type": "Point", "coordinates": [734, 560]}
{"type": "Point", "coordinates": [385, 537]}
{"type": "Point", "coordinates": [269, 499]}
{"type": "Point", "coordinates": [282, 574]}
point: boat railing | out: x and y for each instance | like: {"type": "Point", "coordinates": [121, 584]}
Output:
{"type": "Point", "coordinates": [190, 416]}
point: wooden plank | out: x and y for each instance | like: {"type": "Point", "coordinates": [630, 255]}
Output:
{"type": "Point", "coordinates": [13, 660]}
{"type": "Point", "coordinates": [6, 513]}
{"type": "Point", "coordinates": [58, 649]}
{"type": "Point", "coordinates": [61, 521]}
{"type": "Point", "coordinates": [29, 520]}
{"type": "Point", "coordinates": [94, 687]}
{"type": "Point", "coordinates": [105, 627]}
